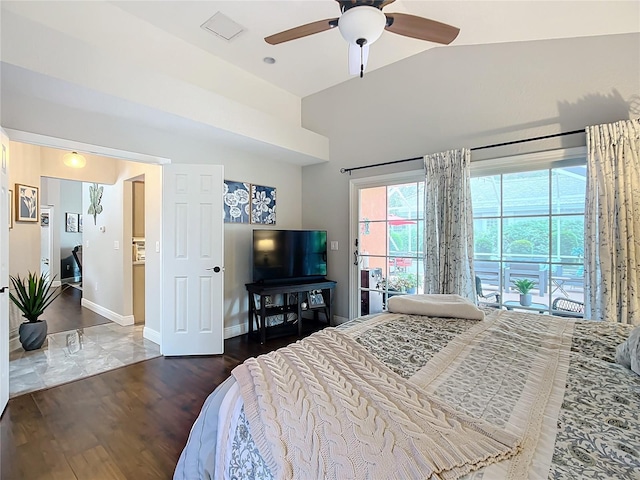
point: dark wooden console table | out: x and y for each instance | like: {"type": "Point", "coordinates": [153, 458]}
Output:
{"type": "Point", "coordinates": [300, 292]}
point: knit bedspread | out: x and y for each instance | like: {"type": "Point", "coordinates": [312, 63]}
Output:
{"type": "Point", "coordinates": [324, 407]}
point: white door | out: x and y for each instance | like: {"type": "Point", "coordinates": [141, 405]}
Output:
{"type": "Point", "coordinates": [46, 238]}
{"type": "Point", "coordinates": [192, 258]}
{"type": "Point", "coordinates": [4, 273]}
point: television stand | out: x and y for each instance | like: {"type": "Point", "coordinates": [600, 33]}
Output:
{"type": "Point", "coordinates": [321, 302]}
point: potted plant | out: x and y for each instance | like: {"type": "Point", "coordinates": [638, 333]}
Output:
{"type": "Point", "coordinates": [410, 282]}
{"type": "Point", "coordinates": [524, 286]}
{"type": "Point", "coordinates": [32, 296]}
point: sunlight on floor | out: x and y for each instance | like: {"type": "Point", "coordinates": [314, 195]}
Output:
{"type": "Point", "coordinates": [75, 354]}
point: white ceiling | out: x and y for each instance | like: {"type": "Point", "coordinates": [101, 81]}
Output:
{"type": "Point", "coordinates": [314, 63]}
{"type": "Point", "coordinates": [151, 62]}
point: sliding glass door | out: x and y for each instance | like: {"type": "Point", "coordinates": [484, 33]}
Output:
{"type": "Point", "coordinates": [389, 243]}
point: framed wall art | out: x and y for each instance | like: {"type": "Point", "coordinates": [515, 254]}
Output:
{"type": "Point", "coordinates": [263, 205]}
{"type": "Point", "coordinates": [27, 203]}
{"type": "Point", "coordinates": [236, 204]}
{"type": "Point", "coordinates": [71, 222]}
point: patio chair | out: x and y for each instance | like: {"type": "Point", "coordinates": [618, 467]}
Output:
{"type": "Point", "coordinates": [573, 308]}
{"type": "Point", "coordinates": [482, 298]}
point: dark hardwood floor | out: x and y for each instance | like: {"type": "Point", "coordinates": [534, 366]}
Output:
{"type": "Point", "coordinates": [66, 313]}
{"type": "Point", "coordinates": [129, 423]}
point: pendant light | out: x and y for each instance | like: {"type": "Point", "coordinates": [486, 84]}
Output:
{"type": "Point", "coordinates": [74, 160]}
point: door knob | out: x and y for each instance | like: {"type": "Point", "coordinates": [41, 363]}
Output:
{"type": "Point", "coordinates": [3, 289]}
{"type": "Point", "coordinates": [216, 269]}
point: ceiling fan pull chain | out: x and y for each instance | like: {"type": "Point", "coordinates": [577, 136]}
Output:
{"type": "Point", "coordinates": [361, 42]}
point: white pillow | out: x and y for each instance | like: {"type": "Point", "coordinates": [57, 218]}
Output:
{"type": "Point", "coordinates": [628, 352]}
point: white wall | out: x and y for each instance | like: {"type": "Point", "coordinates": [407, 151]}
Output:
{"type": "Point", "coordinates": [107, 269]}
{"type": "Point", "coordinates": [454, 97]}
{"type": "Point", "coordinates": [240, 166]}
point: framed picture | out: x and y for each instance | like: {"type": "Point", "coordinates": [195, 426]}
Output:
{"type": "Point", "coordinates": [10, 209]}
{"type": "Point", "coordinates": [27, 203]}
{"type": "Point", "coordinates": [263, 205]}
{"type": "Point", "coordinates": [316, 299]}
{"type": "Point", "coordinates": [44, 219]}
{"type": "Point", "coordinates": [71, 222]}
{"type": "Point", "coordinates": [236, 197]}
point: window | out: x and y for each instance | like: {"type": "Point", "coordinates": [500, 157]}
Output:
{"type": "Point", "coordinates": [528, 224]}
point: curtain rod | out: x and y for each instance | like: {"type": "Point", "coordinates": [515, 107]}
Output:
{"type": "Point", "coordinates": [573, 132]}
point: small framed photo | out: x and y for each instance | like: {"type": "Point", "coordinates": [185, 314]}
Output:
{"type": "Point", "coordinates": [44, 219]}
{"type": "Point", "coordinates": [71, 222]}
{"type": "Point", "coordinates": [10, 209]}
{"type": "Point", "coordinates": [316, 299]}
{"type": "Point", "coordinates": [27, 203]}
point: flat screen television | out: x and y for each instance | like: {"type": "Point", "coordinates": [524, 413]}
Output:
{"type": "Point", "coordinates": [289, 255]}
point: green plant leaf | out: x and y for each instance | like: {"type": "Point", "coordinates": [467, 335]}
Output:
{"type": "Point", "coordinates": [33, 294]}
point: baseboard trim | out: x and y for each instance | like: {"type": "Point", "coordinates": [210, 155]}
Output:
{"type": "Point", "coordinates": [14, 343]}
{"type": "Point", "coordinates": [123, 320]}
{"type": "Point", "coordinates": [235, 330]}
{"type": "Point", "coordinates": [241, 329]}
{"type": "Point", "coordinates": [151, 335]}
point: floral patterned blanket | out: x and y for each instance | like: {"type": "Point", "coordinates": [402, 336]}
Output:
{"type": "Point", "coordinates": [552, 381]}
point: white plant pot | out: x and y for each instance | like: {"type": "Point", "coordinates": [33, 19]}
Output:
{"type": "Point", "coordinates": [525, 299]}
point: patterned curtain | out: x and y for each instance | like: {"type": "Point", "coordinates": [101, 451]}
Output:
{"type": "Point", "coordinates": [448, 235]}
{"type": "Point", "coordinates": [612, 222]}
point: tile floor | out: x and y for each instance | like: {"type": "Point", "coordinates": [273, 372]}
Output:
{"type": "Point", "coordinates": [75, 354]}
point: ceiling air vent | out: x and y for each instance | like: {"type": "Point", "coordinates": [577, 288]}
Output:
{"type": "Point", "coordinates": [223, 27]}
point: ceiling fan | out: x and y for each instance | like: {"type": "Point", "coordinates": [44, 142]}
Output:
{"type": "Point", "coordinates": [362, 22]}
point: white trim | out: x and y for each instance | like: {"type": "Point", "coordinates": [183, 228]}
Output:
{"type": "Point", "coordinates": [123, 320]}
{"type": "Point", "coordinates": [14, 343]}
{"type": "Point", "coordinates": [235, 330]}
{"type": "Point", "coordinates": [151, 335]}
{"type": "Point", "coordinates": [63, 144]}
{"type": "Point", "coordinates": [527, 161]}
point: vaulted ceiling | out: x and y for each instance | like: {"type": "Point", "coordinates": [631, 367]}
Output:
{"type": "Point", "coordinates": [151, 60]}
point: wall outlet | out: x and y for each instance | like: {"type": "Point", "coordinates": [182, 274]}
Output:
{"type": "Point", "coordinates": [157, 247]}
{"type": "Point", "coordinates": [116, 245]}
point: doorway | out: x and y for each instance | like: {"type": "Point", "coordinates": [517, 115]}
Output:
{"type": "Point", "coordinates": [47, 219]}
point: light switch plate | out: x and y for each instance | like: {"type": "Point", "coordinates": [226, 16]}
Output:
{"type": "Point", "coordinates": [334, 245]}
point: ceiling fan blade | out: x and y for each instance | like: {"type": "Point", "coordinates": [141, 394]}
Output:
{"type": "Point", "coordinates": [421, 28]}
{"type": "Point", "coordinates": [355, 61]}
{"type": "Point", "coordinates": [385, 3]}
{"type": "Point", "coordinates": [302, 31]}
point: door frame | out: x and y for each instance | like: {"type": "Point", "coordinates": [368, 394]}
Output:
{"type": "Point", "coordinates": [354, 188]}
{"type": "Point", "coordinates": [63, 144]}
{"type": "Point", "coordinates": [4, 271]}
{"type": "Point", "coordinates": [48, 231]}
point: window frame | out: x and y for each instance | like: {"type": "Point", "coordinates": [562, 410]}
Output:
{"type": "Point", "coordinates": [560, 157]}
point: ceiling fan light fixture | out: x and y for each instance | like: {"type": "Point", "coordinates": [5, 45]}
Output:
{"type": "Point", "coordinates": [74, 160]}
{"type": "Point", "coordinates": [362, 22]}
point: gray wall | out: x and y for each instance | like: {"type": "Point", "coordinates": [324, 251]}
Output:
{"type": "Point", "coordinates": [453, 97]}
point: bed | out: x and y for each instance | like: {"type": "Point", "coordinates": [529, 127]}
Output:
{"type": "Point", "coordinates": [400, 395]}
